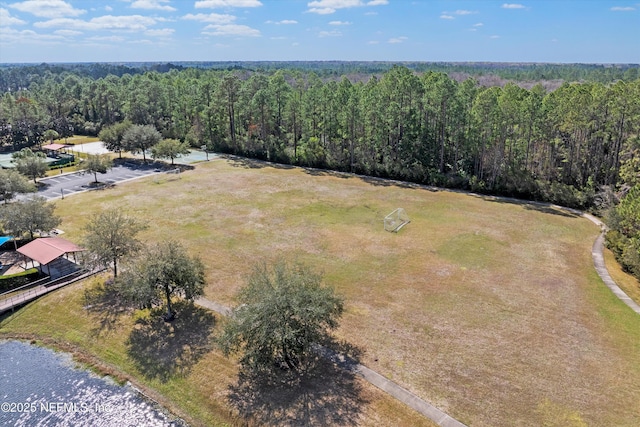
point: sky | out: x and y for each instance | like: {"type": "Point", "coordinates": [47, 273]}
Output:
{"type": "Point", "coordinates": [557, 31]}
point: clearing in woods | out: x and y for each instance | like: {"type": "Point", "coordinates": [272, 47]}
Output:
{"type": "Point", "coordinates": [491, 310]}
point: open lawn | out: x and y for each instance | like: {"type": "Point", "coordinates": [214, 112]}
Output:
{"type": "Point", "coordinates": [489, 309]}
{"type": "Point", "coordinates": [77, 139]}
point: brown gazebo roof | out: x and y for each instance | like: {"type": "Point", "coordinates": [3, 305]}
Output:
{"type": "Point", "coordinates": [55, 147]}
{"type": "Point", "coordinates": [46, 249]}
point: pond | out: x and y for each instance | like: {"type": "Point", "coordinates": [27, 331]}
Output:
{"type": "Point", "coordinates": [40, 387]}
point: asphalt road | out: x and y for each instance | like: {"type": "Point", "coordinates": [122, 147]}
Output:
{"type": "Point", "coordinates": [57, 187]}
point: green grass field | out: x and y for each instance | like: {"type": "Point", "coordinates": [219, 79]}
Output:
{"type": "Point", "coordinates": [490, 310]}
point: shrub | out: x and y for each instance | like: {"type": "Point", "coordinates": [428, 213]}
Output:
{"type": "Point", "coordinates": [13, 281]}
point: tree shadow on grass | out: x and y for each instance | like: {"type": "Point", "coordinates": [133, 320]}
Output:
{"type": "Point", "coordinates": [251, 163]}
{"type": "Point", "coordinates": [328, 393]}
{"type": "Point", "coordinates": [106, 306]}
{"type": "Point", "coordinates": [542, 207]}
{"type": "Point", "coordinates": [161, 349]}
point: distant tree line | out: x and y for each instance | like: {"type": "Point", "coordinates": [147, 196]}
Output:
{"type": "Point", "coordinates": [14, 77]}
{"type": "Point", "coordinates": [559, 145]}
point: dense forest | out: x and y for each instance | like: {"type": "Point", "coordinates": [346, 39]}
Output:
{"type": "Point", "coordinates": [562, 145]}
{"type": "Point", "coordinates": [14, 77]}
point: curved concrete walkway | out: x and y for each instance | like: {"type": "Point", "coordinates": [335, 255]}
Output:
{"type": "Point", "coordinates": [596, 250]}
{"type": "Point", "coordinates": [601, 268]}
{"type": "Point", "coordinates": [410, 399]}
{"type": "Point", "coordinates": [383, 383]}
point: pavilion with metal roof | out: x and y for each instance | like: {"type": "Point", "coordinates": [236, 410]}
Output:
{"type": "Point", "coordinates": [46, 250]}
{"type": "Point", "coordinates": [55, 147]}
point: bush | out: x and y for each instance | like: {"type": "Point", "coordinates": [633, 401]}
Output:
{"type": "Point", "coordinates": [13, 281]}
{"type": "Point", "coordinates": [625, 250]}
{"type": "Point", "coordinates": [631, 258]}
{"type": "Point", "coordinates": [565, 195]}
{"type": "Point", "coordinates": [615, 242]}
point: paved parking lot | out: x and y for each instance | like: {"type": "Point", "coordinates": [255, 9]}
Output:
{"type": "Point", "coordinates": [56, 187]}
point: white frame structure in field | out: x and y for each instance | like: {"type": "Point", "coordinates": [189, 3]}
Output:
{"type": "Point", "coordinates": [396, 220]}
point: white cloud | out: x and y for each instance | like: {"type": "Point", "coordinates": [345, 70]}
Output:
{"type": "Point", "coordinates": [327, 7]}
{"type": "Point", "coordinates": [116, 39]}
{"type": "Point", "coordinates": [10, 35]}
{"type": "Point", "coordinates": [140, 41]}
{"type": "Point", "coordinates": [396, 40]}
{"type": "Point", "coordinates": [623, 9]}
{"type": "Point", "coordinates": [213, 4]}
{"type": "Point", "coordinates": [48, 8]}
{"type": "Point", "coordinates": [339, 23]}
{"type": "Point", "coordinates": [108, 8]}
{"type": "Point", "coordinates": [334, 33]}
{"type": "Point", "coordinates": [459, 12]}
{"type": "Point", "coordinates": [107, 22]}
{"type": "Point", "coordinates": [163, 19]}
{"type": "Point", "coordinates": [283, 22]}
{"type": "Point", "coordinates": [479, 24]}
{"type": "Point", "coordinates": [6, 20]}
{"type": "Point", "coordinates": [214, 18]}
{"type": "Point", "coordinates": [68, 33]}
{"type": "Point", "coordinates": [462, 12]}
{"type": "Point", "coordinates": [513, 6]}
{"type": "Point", "coordinates": [161, 32]}
{"type": "Point", "coordinates": [153, 5]}
{"type": "Point", "coordinates": [231, 30]}
{"type": "Point", "coordinates": [373, 42]}
{"type": "Point", "coordinates": [494, 37]}
{"type": "Point", "coordinates": [322, 11]}
{"type": "Point", "coordinates": [335, 4]}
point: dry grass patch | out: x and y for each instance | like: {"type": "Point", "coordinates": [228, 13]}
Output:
{"type": "Point", "coordinates": [77, 139]}
{"type": "Point", "coordinates": [176, 365]}
{"type": "Point", "coordinates": [489, 309]}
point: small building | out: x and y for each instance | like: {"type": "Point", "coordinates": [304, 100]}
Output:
{"type": "Point", "coordinates": [54, 150]}
{"type": "Point", "coordinates": [54, 254]}
{"type": "Point", "coordinates": [58, 155]}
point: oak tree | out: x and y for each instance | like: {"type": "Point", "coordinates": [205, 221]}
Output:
{"type": "Point", "coordinates": [29, 216]}
{"type": "Point", "coordinates": [162, 272]}
{"type": "Point", "coordinates": [97, 163]}
{"type": "Point", "coordinates": [12, 182]}
{"type": "Point", "coordinates": [169, 149]}
{"type": "Point", "coordinates": [284, 310]}
{"type": "Point", "coordinates": [140, 138]}
{"type": "Point", "coordinates": [32, 164]}
{"type": "Point", "coordinates": [111, 235]}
